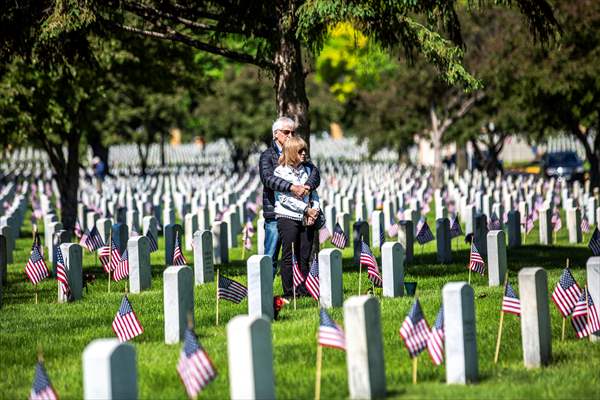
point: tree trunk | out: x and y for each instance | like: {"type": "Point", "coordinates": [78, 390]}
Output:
{"type": "Point", "coordinates": [162, 148]}
{"type": "Point", "coordinates": [143, 158]}
{"type": "Point", "coordinates": [99, 150]}
{"type": "Point", "coordinates": [592, 154]}
{"type": "Point", "coordinates": [67, 178]}
{"type": "Point", "coordinates": [436, 139]}
{"type": "Point", "coordinates": [290, 90]}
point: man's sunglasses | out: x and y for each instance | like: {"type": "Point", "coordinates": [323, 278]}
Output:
{"type": "Point", "coordinates": [286, 132]}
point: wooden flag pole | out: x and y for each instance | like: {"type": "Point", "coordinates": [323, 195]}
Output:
{"type": "Point", "coordinates": [564, 319]}
{"type": "Point", "coordinates": [587, 312]}
{"type": "Point", "coordinates": [36, 293]}
{"type": "Point", "coordinates": [217, 303]}
{"type": "Point", "coordinates": [318, 377]}
{"type": "Point", "coordinates": [415, 364]}
{"type": "Point", "coordinates": [109, 257]}
{"type": "Point", "coordinates": [293, 284]}
{"type": "Point", "coordinates": [499, 339]}
{"type": "Point", "coordinates": [359, 275]}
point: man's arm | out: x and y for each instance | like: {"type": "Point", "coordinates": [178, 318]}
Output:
{"type": "Point", "coordinates": [314, 179]}
{"type": "Point", "coordinates": [267, 177]}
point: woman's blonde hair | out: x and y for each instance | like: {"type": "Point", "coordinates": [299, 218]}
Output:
{"type": "Point", "coordinates": [291, 149]}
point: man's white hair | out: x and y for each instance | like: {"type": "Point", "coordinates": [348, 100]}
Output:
{"type": "Point", "coordinates": [282, 122]}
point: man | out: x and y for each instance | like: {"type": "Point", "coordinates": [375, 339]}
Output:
{"type": "Point", "coordinates": [282, 129]}
{"type": "Point", "coordinates": [99, 172]}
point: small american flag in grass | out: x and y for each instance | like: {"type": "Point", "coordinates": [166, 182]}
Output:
{"type": "Point", "coordinates": [339, 239]}
{"type": "Point", "coordinates": [566, 293]}
{"type": "Point", "coordinates": [297, 273]}
{"type": "Point", "coordinates": [585, 316]}
{"type": "Point", "coordinates": [435, 341]}
{"type": "Point", "coordinates": [178, 257]}
{"type": "Point", "coordinates": [195, 368]}
{"type": "Point", "coordinates": [414, 330]}
{"type": "Point", "coordinates": [476, 263]}
{"type": "Point", "coordinates": [61, 272]}
{"type": "Point", "coordinates": [126, 324]}
{"type": "Point", "coordinates": [42, 388]}
{"type": "Point", "coordinates": [92, 241]}
{"type": "Point", "coordinates": [367, 258]}
{"type": "Point", "coordinates": [312, 280]}
{"type": "Point", "coordinates": [585, 225]}
{"type": "Point", "coordinates": [231, 290]}
{"type": "Point", "coordinates": [324, 234]}
{"type": "Point", "coordinates": [152, 240]}
{"type": "Point", "coordinates": [556, 222]}
{"type": "Point", "coordinates": [330, 334]}
{"type": "Point", "coordinates": [122, 270]}
{"type": "Point", "coordinates": [424, 234]}
{"type": "Point", "coordinates": [36, 268]}
{"type": "Point", "coordinates": [510, 301]}
{"type": "Point", "coordinates": [594, 243]}
{"type": "Point", "coordinates": [455, 229]}
{"type": "Point", "coordinates": [109, 256]}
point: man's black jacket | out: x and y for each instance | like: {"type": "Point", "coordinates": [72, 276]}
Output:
{"type": "Point", "coordinates": [269, 160]}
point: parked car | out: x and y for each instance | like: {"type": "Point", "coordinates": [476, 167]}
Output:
{"type": "Point", "coordinates": [563, 164]}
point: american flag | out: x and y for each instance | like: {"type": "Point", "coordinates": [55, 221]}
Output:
{"type": "Point", "coordinates": [37, 241]}
{"type": "Point", "coordinates": [152, 240]}
{"type": "Point", "coordinates": [594, 243]}
{"type": "Point", "coordinates": [122, 270]}
{"type": "Point", "coordinates": [585, 225]}
{"type": "Point", "coordinates": [424, 234]}
{"type": "Point", "coordinates": [455, 229]}
{"type": "Point", "coordinates": [339, 238]}
{"type": "Point", "coordinates": [494, 224]}
{"type": "Point", "coordinates": [78, 231]}
{"type": "Point", "coordinates": [297, 273]}
{"type": "Point", "coordinates": [231, 290]}
{"type": "Point", "coordinates": [566, 293]}
{"type": "Point", "coordinates": [42, 388]}
{"type": "Point", "coordinates": [529, 223]}
{"type": "Point", "coordinates": [324, 234]}
{"type": "Point", "coordinates": [556, 221]}
{"type": "Point", "coordinates": [476, 263]}
{"type": "Point", "coordinates": [195, 368]}
{"type": "Point", "coordinates": [312, 280]}
{"type": "Point", "coordinates": [367, 258]}
{"type": "Point", "coordinates": [414, 330]}
{"type": "Point", "coordinates": [61, 272]}
{"type": "Point", "coordinates": [393, 228]}
{"type": "Point", "coordinates": [435, 341]}
{"type": "Point", "coordinates": [510, 301]}
{"type": "Point", "coordinates": [330, 334]}
{"type": "Point", "coordinates": [36, 268]}
{"type": "Point", "coordinates": [585, 317]}
{"type": "Point", "coordinates": [246, 239]}
{"type": "Point", "coordinates": [109, 256]}
{"type": "Point", "coordinates": [93, 240]}
{"type": "Point", "coordinates": [126, 325]}
{"type": "Point", "coordinates": [178, 258]}
{"type": "Point", "coordinates": [249, 227]}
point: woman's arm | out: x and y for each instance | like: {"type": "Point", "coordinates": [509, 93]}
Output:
{"type": "Point", "coordinates": [314, 198]}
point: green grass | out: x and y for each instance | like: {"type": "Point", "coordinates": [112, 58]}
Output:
{"type": "Point", "coordinates": [63, 330]}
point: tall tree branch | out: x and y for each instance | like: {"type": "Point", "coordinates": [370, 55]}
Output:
{"type": "Point", "coordinates": [176, 36]}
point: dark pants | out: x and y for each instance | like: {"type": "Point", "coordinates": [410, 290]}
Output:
{"type": "Point", "coordinates": [292, 233]}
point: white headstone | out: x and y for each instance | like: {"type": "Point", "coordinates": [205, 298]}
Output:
{"type": "Point", "coordinates": [178, 301]}
{"type": "Point", "coordinates": [72, 256]}
{"type": "Point", "coordinates": [250, 354]}
{"type": "Point", "coordinates": [140, 273]}
{"type": "Point", "coordinates": [203, 257]}
{"type": "Point", "coordinates": [331, 291]}
{"type": "Point", "coordinates": [593, 279]}
{"type": "Point", "coordinates": [536, 332]}
{"type": "Point", "coordinates": [392, 261]}
{"type": "Point", "coordinates": [109, 370]}
{"type": "Point", "coordinates": [364, 348]}
{"type": "Point", "coordinates": [496, 250]}
{"type": "Point", "coordinates": [260, 287]}
{"type": "Point", "coordinates": [460, 333]}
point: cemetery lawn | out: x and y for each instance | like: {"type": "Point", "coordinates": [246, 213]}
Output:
{"type": "Point", "coordinates": [63, 331]}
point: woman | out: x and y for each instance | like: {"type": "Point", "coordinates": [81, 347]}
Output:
{"type": "Point", "coordinates": [295, 216]}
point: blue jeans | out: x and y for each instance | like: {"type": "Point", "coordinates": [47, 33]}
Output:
{"type": "Point", "coordinates": [272, 242]}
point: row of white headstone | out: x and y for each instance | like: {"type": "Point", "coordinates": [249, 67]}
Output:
{"type": "Point", "coordinates": [250, 347]}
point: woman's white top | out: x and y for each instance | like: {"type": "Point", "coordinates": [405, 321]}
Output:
{"type": "Point", "coordinates": [286, 204]}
